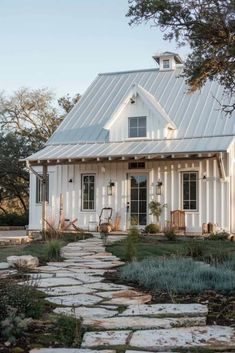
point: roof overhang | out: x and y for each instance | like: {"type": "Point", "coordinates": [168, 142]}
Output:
{"type": "Point", "coordinates": [196, 148]}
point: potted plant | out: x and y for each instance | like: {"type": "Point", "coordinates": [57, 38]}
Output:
{"type": "Point", "coordinates": [156, 209]}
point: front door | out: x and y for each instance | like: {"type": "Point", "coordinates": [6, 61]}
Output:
{"type": "Point", "coordinates": [138, 199]}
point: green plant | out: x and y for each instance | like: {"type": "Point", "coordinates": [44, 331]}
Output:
{"type": "Point", "coordinates": [156, 209]}
{"type": "Point", "coordinates": [170, 234]}
{"type": "Point", "coordinates": [14, 219]}
{"type": "Point", "coordinates": [69, 331]}
{"type": "Point", "coordinates": [218, 236]}
{"type": "Point", "coordinates": [23, 298]}
{"type": "Point", "coordinates": [178, 275]}
{"type": "Point", "coordinates": [193, 248]}
{"type": "Point", "coordinates": [152, 228]}
{"type": "Point", "coordinates": [13, 326]}
{"type": "Point", "coordinates": [53, 250]}
{"type": "Point", "coordinates": [131, 244]}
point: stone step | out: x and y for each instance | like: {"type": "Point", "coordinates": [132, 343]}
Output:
{"type": "Point", "coordinates": [87, 312]}
{"type": "Point", "coordinates": [213, 337]}
{"type": "Point", "coordinates": [139, 323]}
{"type": "Point", "coordinates": [166, 310]}
{"type": "Point", "coordinates": [207, 337]}
{"type": "Point", "coordinates": [69, 350]}
{"type": "Point", "coordinates": [127, 297]}
{"type": "Point", "coordinates": [75, 300]}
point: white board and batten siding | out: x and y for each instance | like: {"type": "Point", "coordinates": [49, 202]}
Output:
{"type": "Point", "coordinates": [214, 203]}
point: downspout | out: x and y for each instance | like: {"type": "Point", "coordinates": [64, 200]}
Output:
{"type": "Point", "coordinates": [43, 179]}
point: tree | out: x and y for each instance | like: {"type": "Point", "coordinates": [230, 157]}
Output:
{"type": "Point", "coordinates": [33, 114]}
{"type": "Point", "coordinates": [207, 26]}
{"type": "Point", "coordinates": [27, 119]}
{"type": "Point", "coordinates": [14, 178]}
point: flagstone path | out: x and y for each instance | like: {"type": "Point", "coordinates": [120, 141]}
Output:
{"type": "Point", "coordinates": [118, 317]}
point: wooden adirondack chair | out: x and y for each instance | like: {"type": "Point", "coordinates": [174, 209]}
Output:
{"type": "Point", "coordinates": [178, 220]}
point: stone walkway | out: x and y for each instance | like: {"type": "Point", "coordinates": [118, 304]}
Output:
{"type": "Point", "coordinates": [118, 317]}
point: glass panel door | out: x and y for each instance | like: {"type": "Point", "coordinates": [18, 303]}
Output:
{"type": "Point", "coordinates": [138, 199]}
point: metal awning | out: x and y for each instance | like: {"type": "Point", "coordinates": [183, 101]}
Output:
{"type": "Point", "coordinates": [132, 149]}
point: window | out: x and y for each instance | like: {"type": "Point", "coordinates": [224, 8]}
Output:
{"type": "Point", "coordinates": [190, 193]}
{"type": "Point", "coordinates": [137, 127]}
{"type": "Point", "coordinates": [88, 192]}
{"type": "Point", "coordinates": [39, 190]}
{"type": "Point", "coordinates": [166, 64]}
{"type": "Point", "coordinates": [136, 165]}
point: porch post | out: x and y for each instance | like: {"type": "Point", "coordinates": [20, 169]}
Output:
{"type": "Point", "coordinates": [44, 197]}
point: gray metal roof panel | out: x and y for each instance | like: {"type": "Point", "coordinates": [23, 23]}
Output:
{"type": "Point", "coordinates": [133, 148]}
{"type": "Point", "coordinates": [197, 114]}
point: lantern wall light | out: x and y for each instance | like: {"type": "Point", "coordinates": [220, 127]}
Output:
{"type": "Point", "coordinates": [110, 186]}
{"type": "Point", "coordinates": [159, 187]}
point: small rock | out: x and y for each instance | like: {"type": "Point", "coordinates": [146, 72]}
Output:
{"type": "Point", "coordinates": [24, 261]}
{"type": "Point", "coordinates": [4, 266]}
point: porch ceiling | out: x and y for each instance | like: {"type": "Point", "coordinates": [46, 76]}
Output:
{"type": "Point", "coordinates": [139, 149]}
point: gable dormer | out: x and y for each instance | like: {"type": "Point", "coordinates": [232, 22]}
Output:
{"type": "Point", "coordinates": [140, 115]}
{"type": "Point", "coordinates": [168, 61]}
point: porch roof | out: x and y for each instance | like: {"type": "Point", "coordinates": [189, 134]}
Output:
{"type": "Point", "coordinates": [132, 149]}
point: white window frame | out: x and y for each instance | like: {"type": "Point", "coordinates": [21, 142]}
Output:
{"type": "Point", "coordinates": [182, 191]}
{"type": "Point", "coordinates": [82, 194]}
{"type": "Point", "coordinates": [166, 63]}
{"type": "Point", "coordinates": [38, 189]}
{"type": "Point", "coordinates": [137, 129]}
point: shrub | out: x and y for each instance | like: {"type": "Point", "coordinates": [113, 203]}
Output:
{"type": "Point", "coordinates": [23, 298]}
{"type": "Point", "coordinates": [152, 228]}
{"type": "Point", "coordinates": [170, 234]}
{"type": "Point", "coordinates": [14, 219]}
{"type": "Point", "coordinates": [69, 331]}
{"type": "Point", "coordinates": [193, 248]}
{"type": "Point", "coordinates": [179, 276]}
{"type": "Point", "coordinates": [218, 236]}
{"type": "Point", "coordinates": [13, 326]}
{"type": "Point", "coordinates": [131, 244]}
{"type": "Point", "coordinates": [53, 250]}
{"type": "Point", "coordinates": [156, 209]}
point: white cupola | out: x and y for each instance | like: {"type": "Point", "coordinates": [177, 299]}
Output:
{"type": "Point", "coordinates": [168, 61]}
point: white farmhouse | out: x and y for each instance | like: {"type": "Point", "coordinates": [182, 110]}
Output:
{"type": "Point", "coordinates": [134, 137]}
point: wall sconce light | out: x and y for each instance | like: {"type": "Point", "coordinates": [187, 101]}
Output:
{"type": "Point", "coordinates": [204, 178]}
{"type": "Point", "coordinates": [159, 187]}
{"type": "Point", "coordinates": [110, 186]}
{"type": "Point", "coordinates": [132, 100]}
{"type": "Point", "coordinates": [70, 180]}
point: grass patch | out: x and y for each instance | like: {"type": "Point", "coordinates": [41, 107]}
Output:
{"type": "Point", "coordinates": [179, 276]}
{"type": "Point", "coordinates": [150, 247]}
{"type": "Point", "coordinates": [39, 248]}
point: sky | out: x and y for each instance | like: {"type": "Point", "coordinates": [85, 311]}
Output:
{"type": "Point", "coordinates": [64, 44]}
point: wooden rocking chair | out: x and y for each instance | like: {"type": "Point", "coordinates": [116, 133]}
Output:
{"type": "Point", "coordinates": [178, 220]}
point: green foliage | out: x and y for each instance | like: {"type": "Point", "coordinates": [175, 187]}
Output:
{"type": "Point", "coordinates": [53, 250]}
{"type": "Point", "coordinates": [69, 331]}
{"type": "Point", "coordinates": [219, 236]}
{"type": "Point", "coordinates": [14, 219]}
{"type": "Point", "coordinates": [170, 234]}
{"type": "Point", "coordinates": [206, 26]}
{"type": "Point", "coordinates": [131, 244]}
{"type": "Point", "coordinates": [13, 326]}
{"type": "Point", "coordinates": [152, 228]}
{"type": "Point", "coordinates": [193, 248]}
{"type": "Point", "coordinates": [156, 209]}
{"type": "Point", "coordinates": [23, 298]}
{"type": "Point", "coordinates": [179, 276]}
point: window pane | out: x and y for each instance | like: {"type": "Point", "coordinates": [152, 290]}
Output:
{"type": "Point", "coordinates": [134, 219]}
{"type": "Point", "coordinates": [186, 191]}
{"type": "Point", "coordinates": [134, 194]}
{"type": "Point", "coordinates": [193, 190]}
{"type": "Point", "coordinates": [143, 194]}
{"type": "Point", "coordinates": [186, 205]}
{"type": "Point", "coordinates": [134, 181]}
{"type": "Point", "coordinates": [142, 132]}
{"type": "Point", "coordinates": [142, 122]}
{"type": "Point", "coordinates": [142, 207]}
{"type": "Point", "coordinates": [134, 206]}
{"type": "Point", "coordinates": [142, 219]}
{"type": "Point", "coordinates": [193, 205]}
{"type": "Point", "coordinates": [133, 123]}
{"type": "Point", "coordinates": [185, 176]}
{"type": "Point", "coordinates": [133, 132]}
{"type": "Point", "coordinates": [193, 176]}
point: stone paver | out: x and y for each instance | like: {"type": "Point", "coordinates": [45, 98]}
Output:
{"type": "Point", "coordinates": [203, 337]}
{"type": "Point", "coordinates": [75, 300]}
{"type": "Point", "coordinates": [139, 322]}
{"type": "Point", "coordinates": [67, 290]}
{"type": "Point", "coordinates": [4, 265]}
{"type": "Point", "coordinates": [169, 310]}
{"type": "Point", "coordinates": [87, 312]}
{"type": "Point", "coordinates": [69, 350]}
{"type": "Point", "coordinates": [105, 339]}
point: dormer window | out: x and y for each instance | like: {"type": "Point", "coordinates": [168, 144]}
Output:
{"type": "Point", "coordinates": [166, 64]}
{"type": "Point", "coordinates": [137, 126]}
